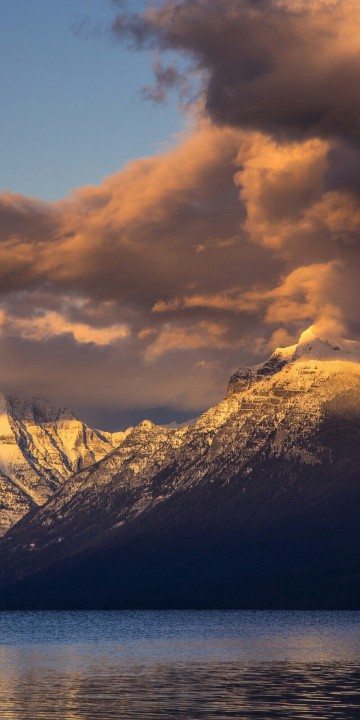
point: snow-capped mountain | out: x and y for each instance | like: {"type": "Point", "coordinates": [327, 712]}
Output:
{"type": "Point", "coordinates": [264, 486]}
{"type": "Point", "coordinates": [40, 447]}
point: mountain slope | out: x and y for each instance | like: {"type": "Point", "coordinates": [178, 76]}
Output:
{"type": "Point", "coordinates": [40, 447]}
{"type": "Point", "coordinates": [257, 504]}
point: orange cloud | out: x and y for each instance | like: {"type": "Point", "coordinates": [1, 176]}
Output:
{"type": "Point", "coordinates": [278, 183]}
{"type": "Point", "coordinates": [172, 337]}
{"type": "Point", "coordinates": [53, 324]}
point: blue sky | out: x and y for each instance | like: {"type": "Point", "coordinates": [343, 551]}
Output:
{"type": "Point", "coordinates": [71, 110]}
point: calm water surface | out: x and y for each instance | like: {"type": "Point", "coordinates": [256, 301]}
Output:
{"type": "Point", "coordinates": [193, 665]}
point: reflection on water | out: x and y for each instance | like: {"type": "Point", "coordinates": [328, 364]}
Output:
{"type": "Point", "coordinates": [191, 665]}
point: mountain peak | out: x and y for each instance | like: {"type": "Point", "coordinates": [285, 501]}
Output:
{"type": "Point", "coordinates": [41, 445]}
{"type": "Point", "coordinates": [37, 410]}
{"type": "Point", "coordinates": [312, 346]}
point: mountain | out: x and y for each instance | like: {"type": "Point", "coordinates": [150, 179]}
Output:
{"type": "Point", "coordinates": [40, 447]}
{"type": "Point", "coordinates": [257, 504]}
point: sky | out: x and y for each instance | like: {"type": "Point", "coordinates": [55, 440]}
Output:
{"type": "Point", "coordinates": [72, 110]}
{"type": "Point", "coordinates": [180, 195]}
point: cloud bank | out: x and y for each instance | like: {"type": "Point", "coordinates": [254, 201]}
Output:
{"type": "Point", "coordinates": [146, 291]}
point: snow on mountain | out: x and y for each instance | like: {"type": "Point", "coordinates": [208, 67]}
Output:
{"type": "Point", "coordinates": [310, 347]}
{"type": "Point", "coordinates": [282, 414]}
{"type": "Point", "coordinates": [40, 447]}
{"type": "Point", "coordinates": [106, 494]}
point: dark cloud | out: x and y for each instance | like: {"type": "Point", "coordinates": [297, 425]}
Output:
{"type": "Point", "coordinates": [166, 78]}
{"type": "Point", "coordinates": [344, 168]}
{"type": "Point", "coordinates": [287, 67]}
{"type": "Point", "coordinates": [30, 219]}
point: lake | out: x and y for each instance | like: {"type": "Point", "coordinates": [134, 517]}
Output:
{"type": "Point", "coordinates": [193, 665]}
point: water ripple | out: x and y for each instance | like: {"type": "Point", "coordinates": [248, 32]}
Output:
{"type": "Point", "coordinates": [193, 666]}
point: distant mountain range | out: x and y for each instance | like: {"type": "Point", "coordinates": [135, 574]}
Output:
{"type": "Point", "coordinates": [255, 504]}
{"type": "Point", "coordinates": [40, 447]}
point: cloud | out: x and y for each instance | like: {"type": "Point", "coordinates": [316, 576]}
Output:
{"type": "Point", "coordinates": [278, 184]}
{"type": "Point", "coordinates": [284, 67]}
{"type": "Point", "coordinates": [304, 295]}
{"type": "Point", "coordinates": [166, 79]}
{"type": "Point", "coordinates": [104, 238]}
{"type": "Point", "coordinates": [174, 337]}
{"type": "Point", "coordinates": [52, 324]}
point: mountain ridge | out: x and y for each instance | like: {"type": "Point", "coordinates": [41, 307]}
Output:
{"type": "Point", "coordinates": [234, 482]}
{"type": "Point", "coordinates": [41, 445]}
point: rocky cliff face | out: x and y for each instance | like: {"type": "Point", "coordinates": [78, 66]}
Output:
{"type": "Point", "coordinates": [40, 447]}
{"type": "Point", "coordinates": [281, 451]}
